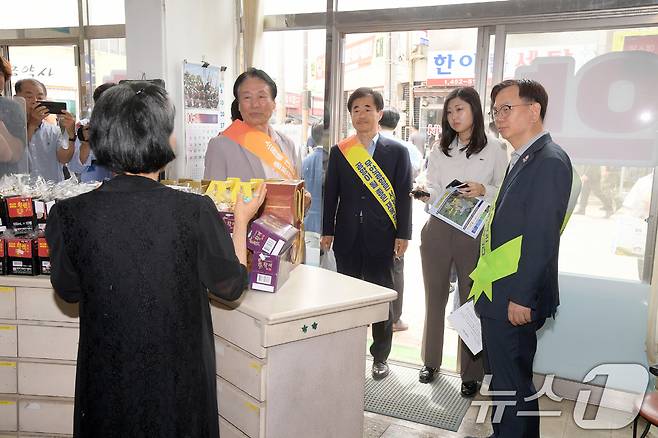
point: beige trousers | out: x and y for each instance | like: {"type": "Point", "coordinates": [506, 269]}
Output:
{"type": "Point", "coordinates": [441, 245]}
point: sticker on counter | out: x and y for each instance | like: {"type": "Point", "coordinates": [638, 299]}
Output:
{"type": "Point", "coordinates": [251, 406]}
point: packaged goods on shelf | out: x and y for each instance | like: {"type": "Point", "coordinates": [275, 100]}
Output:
{"type": "Point", "coordinates": [43, 256]}
{"type": "Point", "coordinates": [20, 214]}
{"type": "Point", "coordinates": [22, 256]}
{"type": "Point", "coordinates": [24, 207]}
{"type": "Point", "coordinates": [3, 255]}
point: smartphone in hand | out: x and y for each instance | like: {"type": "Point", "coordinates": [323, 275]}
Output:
{"type": "Point", "coordinates": [418, 193]}
{"type": "Point", "coordinates": [456, 183]}
{"type": "Point", "coordinates": [53, 107]}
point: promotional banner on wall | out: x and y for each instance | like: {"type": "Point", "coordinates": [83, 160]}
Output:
{"type": "Point", "coordinates": [203, 94]}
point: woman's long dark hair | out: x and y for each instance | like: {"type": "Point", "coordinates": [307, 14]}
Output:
{"type": "Point", "coordinates": [250, 73]}
{"type": "Point", "coordinates": [479, 137]}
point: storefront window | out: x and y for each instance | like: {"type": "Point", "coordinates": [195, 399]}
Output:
{"type": "Point", "coordinates": [299, 80]}
{"type": "Point", "coordinates": [603, 110]}
{"type": "Point", "coordinates": [296, 61]}
{"type": "Point", "coordinates": [31, 14]}
{"type": "Point", "coordinates": [275, 7]}
{"type": "Point", "coordinates": [108, 61]}
{"type": "Point", "coordinates": [106, 12]}
{"type": "Point", "coordinates": [54, 66]}
{"type": "Point", "coordinates": [356, 5]}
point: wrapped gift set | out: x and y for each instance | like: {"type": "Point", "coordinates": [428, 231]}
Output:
{"type": "Point", "coordinates": [275, 238]}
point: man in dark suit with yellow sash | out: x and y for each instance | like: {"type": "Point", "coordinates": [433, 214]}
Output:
{"type": "Point", "coordinates": [367, 209]}
{"type": "Point", "coordinates": [518, 267]}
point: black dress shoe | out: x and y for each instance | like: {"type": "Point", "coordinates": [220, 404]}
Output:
{"type": "Point", "coordinates": [380, 370]}
{"type": "Point", "coordinates": [469, 388]}
{"type": "Point", "coordinates": [427, 374]}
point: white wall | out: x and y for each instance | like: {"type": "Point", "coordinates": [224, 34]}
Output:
{"type": "Point", "coordinates": [160, 34]}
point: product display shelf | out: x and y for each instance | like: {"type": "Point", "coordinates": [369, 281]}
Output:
{"type": "Point", "coordinates": [288, 364]}
{"type": "Point", "coordinates": [38, 348]}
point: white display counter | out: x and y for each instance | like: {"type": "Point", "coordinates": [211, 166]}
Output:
{"type": "Point", "coordinates": [289, 364]}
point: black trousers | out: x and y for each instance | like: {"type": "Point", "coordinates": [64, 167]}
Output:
{"type": "Point", "coordinates": [509, 354]}
{"type": "Point", "coordinates": [398, 283]}
{"type": "Point", "coordinates": [378, 270]}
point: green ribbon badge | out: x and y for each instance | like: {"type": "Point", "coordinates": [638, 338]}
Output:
{"type": "Point", "coordinates": [494, 265]}
{"type": "Point", "coordinates": [504, 260]}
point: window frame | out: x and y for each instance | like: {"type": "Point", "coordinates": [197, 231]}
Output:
{"type": "Point", "coordinates": [499, 20]}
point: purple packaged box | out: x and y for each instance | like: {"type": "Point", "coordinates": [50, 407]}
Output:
{"type": "Point", "coordinates": [269, 264]}
{"type": "Point", "coordinates": [268, 272]}
{"type": "Point", "coordinates": [270, 235]}
{"type": "Point", "coordinates": [229, 219]}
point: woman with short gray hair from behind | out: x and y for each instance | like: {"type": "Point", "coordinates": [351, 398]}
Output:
{"type": "Point", "coordinates": [140, 258]}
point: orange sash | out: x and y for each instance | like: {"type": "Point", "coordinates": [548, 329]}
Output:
{"type": "Point", "coordinates": [261, 145]}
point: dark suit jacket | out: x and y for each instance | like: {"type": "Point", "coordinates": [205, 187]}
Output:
{"type": "Point", "coordinates": [532, 202]}
{"type": "Point", "coordinates": [345, 196]}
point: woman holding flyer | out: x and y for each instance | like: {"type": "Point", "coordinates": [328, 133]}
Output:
{"type": "Point", "coordinates": [250, 147]}
{"type": "Point", "coordinates": [474, 162]}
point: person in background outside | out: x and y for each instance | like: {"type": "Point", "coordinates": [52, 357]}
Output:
{"type": "Point", "coordinates": [314, 168]}
{"type": "Point", "coordinates": [84, 160]}
{"type": "Point", "coordinates": [142, 271]}
{"type": "Point", "coordinates": [387, 125]}
{"type": "Point", "coordinates": [418, 139]}
{"type": "Point", "coordinates": [467, 154]}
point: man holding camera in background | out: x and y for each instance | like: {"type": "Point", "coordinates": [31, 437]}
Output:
{"type": "Point", "coordinates": [84, 160]}
{"type": "Point", "coordinates": [48, 147]}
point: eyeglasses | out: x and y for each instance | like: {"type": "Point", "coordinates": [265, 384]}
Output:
{"type": "Point", "coordinates": [504, 110]}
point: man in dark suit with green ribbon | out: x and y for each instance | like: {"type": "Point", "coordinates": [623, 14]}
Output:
{"type": "Point", "coordinates": [518, 267]}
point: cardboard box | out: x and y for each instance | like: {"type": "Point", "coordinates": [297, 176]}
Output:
{"type": "Point", "coordinates": [22, 256]}
{"type": "Point", "coordinates": [270, 235]}
{"type": "Point", "coordinates": [229, 219]}
{"type": "Point", "coordinates": [285, 200]}
{"type": "Point", "coordinates": [20, 214]}
{"type": "Point", "coordinates": [269, 272]}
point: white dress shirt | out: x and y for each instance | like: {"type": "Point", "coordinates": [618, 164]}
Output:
{"type": "Point", "coordinates": [487, 168]}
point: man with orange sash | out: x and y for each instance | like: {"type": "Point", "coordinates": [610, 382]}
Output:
{"type": "Point", "coordinates": [250, 147]}
{"type": "Point", "coordinates": [367, 208]}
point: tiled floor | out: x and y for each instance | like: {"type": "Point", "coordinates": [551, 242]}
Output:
{"type": "Point", "coordinates": [377, 426]}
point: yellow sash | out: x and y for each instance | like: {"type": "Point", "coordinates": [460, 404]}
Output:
{"type": "Point", "coordinates": [370, 174]}
{"type": "Point", "coordinates": [261, 145]}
